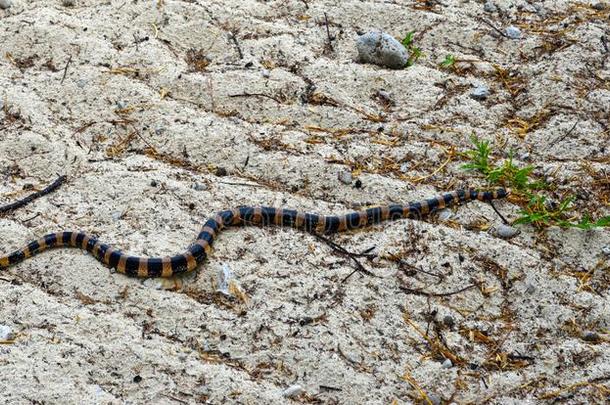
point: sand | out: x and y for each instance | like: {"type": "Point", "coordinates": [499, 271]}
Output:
{"type": "Point", "coordinates": [162, 113]}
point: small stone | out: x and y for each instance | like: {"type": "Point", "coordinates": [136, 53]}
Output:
{"type": "Point", "coordinates": [530, 289]}
{"type": "Point", "coordinates": [137, 379]}
{"type": "Point", "coordinates": [120, 105]}
{"type": "Point", "coordinates": [513, 32]}
{"type": "Point", "coordinates": [358, 183]}
{"type": "Point", "coordinates": [480, 92]}
{"type": "Point", "coordinates": [505, 231]}
{"type": "Point", "coordinates": [404, 167]}
{"type": "Point", "coordinates": [221, 171]}
{"type": "Point", "coordinates": [293, 391]}
{"type": "Point", "coordinates": [445, 214]}
{"type": "Point", "coordinates": [153, 183]}
{"type": "Point", "coordinates": [385, 97]}
{"type": "Point", "coordinates": [590, 336]}
{"type": "Point", "coordinates": [489, 7]}
{"type": "Point", "coordinates": [266, 74]}
{"type": "Point", "coordinates": [4, 4]}
{"type": "Point", "coordinates": [447, 363]}
{"type": "Point", "coordinates": [225, 275]}
{"type": "Point", "coordinates": [117, 215]}
{"type": "Point", "coordinates": [6, 333]}
{"type": "Point", "coordinates": [68, 3]}
{"type": "Point", "coordinates": [599, 6]}
{"type": "Point", "coordinates": [199, 187]}
{"type": "Point", "coordinates": [434, 398]}
{"type": "Point", "coordinates": [606, 250]}
{"type": "Point", "coordinates": [345, 177]}
{"type": "Point", "coordinates": [382, 49]}
{"type": "Point", "coordinates": [448, 321]}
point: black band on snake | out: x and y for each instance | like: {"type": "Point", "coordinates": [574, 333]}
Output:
{"type": "Point", "coordinates": [168, 266]}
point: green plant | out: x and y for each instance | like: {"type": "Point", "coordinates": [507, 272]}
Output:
{"type": "Point", "coordinates": [449, 61]}
{"type": "Point", "coordinates": [415, 52]}
{"type": "Point", "coordinates": [538, 211]}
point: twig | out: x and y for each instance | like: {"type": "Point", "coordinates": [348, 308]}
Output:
{"type": "Point", "coordinates": [493, 27]}
{"type": "Point", "coordinates": [257, 95]}
{"type": "Point", "coordinates": [564, 136]}
{"type": "Point", "coordinates": [31, 197]}
{"type": "Point", "coordinates": [417, 269]}
{"type": "Point", "coordinates": [353, 256]}
{"type": "Point", "coordinates": [330, 41]}
{"type": "Point", "coordinates": [498, 212]}
{"type": "Point", "coordinates": [234, 39]}
{"type": "Point", "coordinates": [66, 70]}
{"type": "Point", "coordinates": [432, 294]}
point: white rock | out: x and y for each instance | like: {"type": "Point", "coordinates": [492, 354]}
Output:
{"type": "Point", "coordinates": [489, 7]}
{"type": "Point", "coordinates": [382, 49]}
{"type": "Point", "coordinates": [225, 275]}
{"type": "Point", "coordinates": [345, 177]}
{"type": "Point", "coordinates": [513, 32]}
{"type": "Point", "coordinates": [4, 4]}
{"type": "Point", "coordinates": [447, 364]}
{"type": "Point", "coordinates": [5, 332]}
{"type": "Point", "coordinates": [480, 92]}
{"type": "Point", "coordinates": [293, 391]}
{"type": "Point", "coordinates": [505, 231]}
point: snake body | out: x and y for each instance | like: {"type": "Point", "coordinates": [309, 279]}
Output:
{"type": "Point", "coordinates": [145, 267]}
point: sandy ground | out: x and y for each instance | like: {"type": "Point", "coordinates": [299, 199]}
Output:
{"type": "Point", "coordinates": [162, 113]}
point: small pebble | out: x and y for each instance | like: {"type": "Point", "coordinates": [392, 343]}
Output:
{"type": "Point", "coordinates": [404, 167]}
{"type": "Point", "coordinates": [445, 214]}
{"type": "Point", "coordinates": [599, 6]}
{"type": "Point", "coordinates": [137, 379]}
{"type": "Point", "coordinates": [68, 3]}
{"type": "Point", "coordinates": [221, 171]}
{"type": "Point", "coordinates": [121, 105]}
{"type": "Point", "coordinates": [513, 32]}
{"type": "Point", "coordinates": [480, 93]}
{"type": "Point", "coordinates": [382, 49]}
{"type": "Point", "coordinates": [449, 321]}
{"type": "Point", "coordinates": [293, 391]}
{"type": "Point", "coordinates": [199, 187]}
{"type": "Point", "coordinates": [590, 336]}
{"type": "Point", "coordinates": [489, 7]}
{"type": "Point", "coordinates": [117, 215]}
{"type": "Point", "coordinates": [530, 289]}
{"type": "Point", "coordinates": [434, 398]}
{"type": "Point", "coordinates": [153, 183]}
{"type": "Point", "coordinates": [505, 231]}
{"type": "Point", "coordinates": [385, 97]}
{"type": "Point", "coordinates": [606, 250]}
{"type": "Point", "coordinates": [358, 184]}
{"type": "Point", "coordinates": [447, 364]}
{"type": "Point", "coordinates": [6, 333]}
{"type": "Point", "coordinates": [345, 177]}
{"type": "Point", "coordinates": [225, 275]}
{"type": "Point", "coordinates": [4, 4]}
{"type": "Point", "coordinates": [266, 74]}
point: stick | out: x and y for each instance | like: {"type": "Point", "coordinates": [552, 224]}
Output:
{"type": "Point", "coordinates": [498, 212]}
{"type": "Point", "coordinates": [31, 197]}
{"type": "Point", "coordinates": [342, 250]}
{"type": "Point", "coordinates": [330, 41]}
{"type": "Point", "coordinates": [66, 70]}
{"type": "Point", "coordinates": [431, 294]}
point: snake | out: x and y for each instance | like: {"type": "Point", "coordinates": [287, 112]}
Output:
{"type": "Point", "coordinates": [149, 267]}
